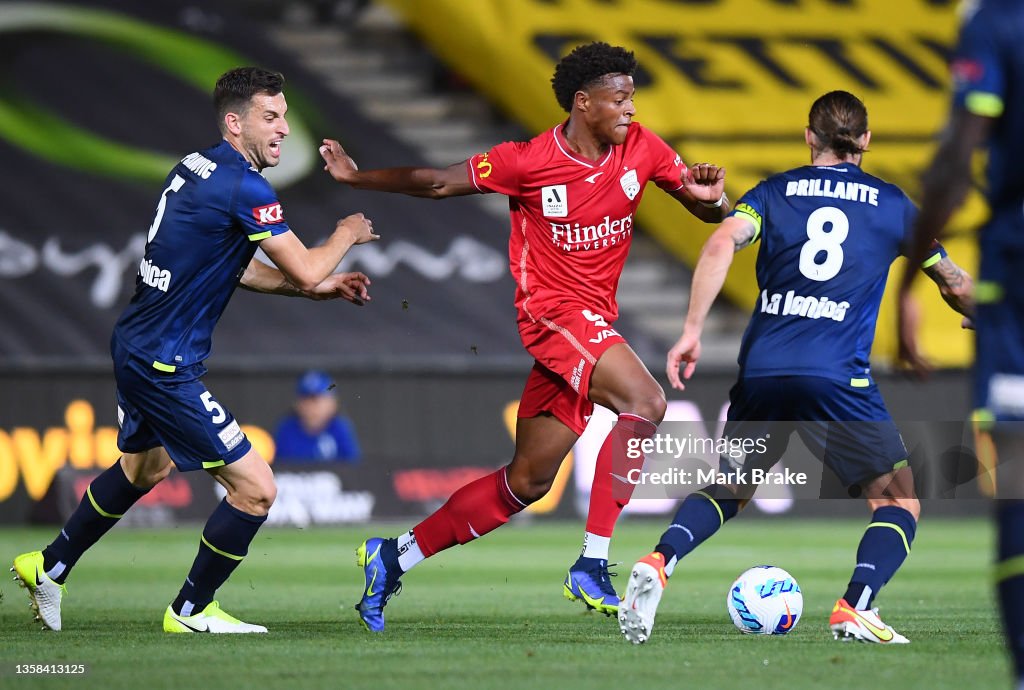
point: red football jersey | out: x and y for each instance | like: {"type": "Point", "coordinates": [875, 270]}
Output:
{"type": "Point", "coordinates": [572, 218]}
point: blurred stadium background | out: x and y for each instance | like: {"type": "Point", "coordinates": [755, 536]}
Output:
{"type": "Point", "coordinates": [98, 98]}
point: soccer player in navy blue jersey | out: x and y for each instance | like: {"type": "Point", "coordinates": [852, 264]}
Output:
{"type": "Point", "coordinates": [215, 210]}
{"type": "Point", "coordinates": [829, 232]}
{"type": "Point", "coordinates": [988, 112]}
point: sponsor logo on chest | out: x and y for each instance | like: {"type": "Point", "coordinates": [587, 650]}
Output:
{"type": "Point", "coordinates": [572, 237]}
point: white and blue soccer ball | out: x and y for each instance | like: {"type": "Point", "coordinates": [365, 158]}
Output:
{"type": "Point", "coordinates": [765, 600]}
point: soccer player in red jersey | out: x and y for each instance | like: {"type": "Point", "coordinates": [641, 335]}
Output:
{"type": "Point", "coordinates": [573, 193]}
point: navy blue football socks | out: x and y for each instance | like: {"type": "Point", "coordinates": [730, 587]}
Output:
{"type": "Point", "coordinates": [698, 517]}
{"type": "Point", "coordinates": [882, 550]}
{"type": "Point", "coordinates": [107, 498]}
{"type": "Point", "coordinates": [225, 542]}
{"type": "Point", "coordinates": [1010, 576]}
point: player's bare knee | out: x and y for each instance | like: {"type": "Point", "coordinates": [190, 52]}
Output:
{"type": "Point", "coordinates": [535, 490]}
{"type": "Point", "coordinates": [910, 504]}
{"type": "Point", "coordinates": [528, 487]}
{"type": "Point", "coordinates": [154, 476]}
{"type": "Point", "coordinates": [263, 498]}
{"type": "Point", "coordinates": [271, 494]}
{"type": "Point", "coordinates": [651, 405]}
{"type": "Point", "coordinates": [253, 499]}
{"type": "Point", "coordinates": [146, 470]}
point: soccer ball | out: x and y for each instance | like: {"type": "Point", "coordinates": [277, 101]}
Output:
{"type": "Point", "coordinates": [765, 600]}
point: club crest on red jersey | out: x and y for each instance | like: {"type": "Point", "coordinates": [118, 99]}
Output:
{"type": "Point", "coordinates": [630, 184]}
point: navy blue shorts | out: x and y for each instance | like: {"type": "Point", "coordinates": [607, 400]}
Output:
{"type": "Point", "coordinates": [845, 427]}
{"type": "Point", "coordinates": [999, 319]}
{"type": "Point", "coordinates": [173, 410]}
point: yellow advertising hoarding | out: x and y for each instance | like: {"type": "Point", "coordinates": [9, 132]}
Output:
{"type": "Point", "coordinates": [730, 82]}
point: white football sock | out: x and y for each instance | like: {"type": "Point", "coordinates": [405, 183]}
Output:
{"type": "Point", "coordinates": [56, 571]}
{"type": "Point", "coordinates": [595, 546]}
{"type": "Point", "coordinates": [409, 553]}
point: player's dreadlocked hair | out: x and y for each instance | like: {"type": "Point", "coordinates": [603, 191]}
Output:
{"type": "Point", "coordinates": [585, 65]}
{"type": "Point", "coordinates": [838, 119]}
{"type": "Point", "coordinates": [236, 88]}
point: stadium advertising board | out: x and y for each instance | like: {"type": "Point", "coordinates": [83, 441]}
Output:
{"type": "Point", "coordinates": [731, 82]}
{"type": "Point", "coordinates": [414, 458]}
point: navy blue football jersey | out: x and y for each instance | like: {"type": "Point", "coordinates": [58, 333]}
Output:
{"type": "Point", "coordinates": [214, 211]}
{"type": "Point", "coordinates": [828, 236]}
{"type": "Point", "coordinates": [988, 69]}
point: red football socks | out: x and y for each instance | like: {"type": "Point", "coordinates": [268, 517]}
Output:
{"type": "Point", "coordinates": [619, 455]}
{"type": "Point", "coordinates": [474, 510]}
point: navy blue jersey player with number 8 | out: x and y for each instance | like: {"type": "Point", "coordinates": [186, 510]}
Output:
{"type": "Point", "coordinates": [828, 233]}
{"type": "Point", "coordinates": [215, 210]}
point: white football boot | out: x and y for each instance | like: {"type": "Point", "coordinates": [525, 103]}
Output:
{"type": "Point", "coordinates": [647, 581]}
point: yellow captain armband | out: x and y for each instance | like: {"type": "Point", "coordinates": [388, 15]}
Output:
{"type": "Point", "coordinates": [746, 211]}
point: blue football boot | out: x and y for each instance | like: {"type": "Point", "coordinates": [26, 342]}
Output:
{"type": "Point", "coordinates": [590, 582]}
{"type": "Point", "coordinates": [379, 560]}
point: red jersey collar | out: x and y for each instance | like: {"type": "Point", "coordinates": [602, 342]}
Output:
{"type": "Point", "coordinates": [563, 146]}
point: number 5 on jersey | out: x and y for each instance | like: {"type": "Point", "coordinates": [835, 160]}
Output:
{"type": "Point", "coordinates": [177, 183]}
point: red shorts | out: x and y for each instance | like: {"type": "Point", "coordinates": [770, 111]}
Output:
{"type": "Point", "coordinates": [567, 345]}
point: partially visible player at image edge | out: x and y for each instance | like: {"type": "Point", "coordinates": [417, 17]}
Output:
{"type": "Point", "coordinates": [988, 113]}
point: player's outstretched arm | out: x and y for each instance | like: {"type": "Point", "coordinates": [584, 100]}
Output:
{"type": "Point", "coordinates": [430, 183]}
{"type": "Point", "coordinates": [703, 192]}
{"type": "Point", "coordinates": [708, 277]}
{"type": "Point", "coordinates": [945, 184]}
{"type": "Point", "coordinates": [350, 286]}
{"type": "Point", "coordinates": [307, 268]}
{"type": "Point", "coordinates": [956, 287]}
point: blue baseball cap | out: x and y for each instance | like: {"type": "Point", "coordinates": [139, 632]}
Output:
{"type": "Point", "coordinates": [314, 382]}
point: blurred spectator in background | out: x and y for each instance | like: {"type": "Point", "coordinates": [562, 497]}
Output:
{"type": "Point", "coordinates": [315, 432]}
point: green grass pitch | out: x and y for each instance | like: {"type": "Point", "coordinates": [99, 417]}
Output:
{"type": "Point", "coordinates": [491, 614]}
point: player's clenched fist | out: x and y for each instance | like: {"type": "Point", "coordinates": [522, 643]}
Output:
{"type": "Point", "coordinates": [359, 226]}
{"type": "Point", "coordinates": [705, 181]}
